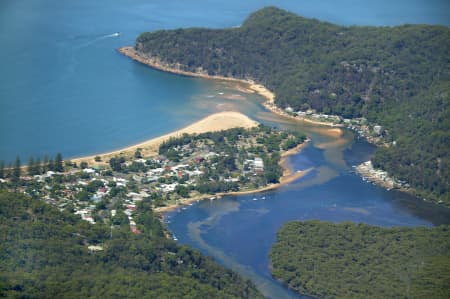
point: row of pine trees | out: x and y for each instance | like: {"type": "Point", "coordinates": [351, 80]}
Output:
{"type": "Point", "coordinates": [35, 166]}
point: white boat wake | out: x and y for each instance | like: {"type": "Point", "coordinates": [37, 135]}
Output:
{"type": "Point", "coordinates": [115, 34]}
{"type": "Point", "coordinates": [99, 38]}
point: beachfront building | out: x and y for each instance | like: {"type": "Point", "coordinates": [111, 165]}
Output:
{"type": "Point", "coordinates": [258, 165]}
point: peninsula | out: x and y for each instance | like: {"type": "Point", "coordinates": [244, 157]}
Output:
{"type": "Point", "coordinates": [224, 153]}
{"type": "Point", "coordinates": [388, 83]}
{"type": "Point", "coordinates": [91, 227]}
{"type": "Point", "coordinates": [46, 207]}
{"type": "Point", "coordinates": [212, 123]}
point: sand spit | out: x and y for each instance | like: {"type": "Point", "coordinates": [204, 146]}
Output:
{"type": "Point", "coordinates": [212, 123]}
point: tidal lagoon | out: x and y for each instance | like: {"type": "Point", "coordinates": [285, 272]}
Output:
{"type": "Point", "coordinates": [64, 88]}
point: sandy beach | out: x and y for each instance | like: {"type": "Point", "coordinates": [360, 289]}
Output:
{"type": "Point", "coordinates": [212, 123]}
{"type": "Point", "coordinates": [215, 122]}
{"type": "Point", "coordinates": [156, 63]}
{"type": "Point", "coordinates": [270, 105]}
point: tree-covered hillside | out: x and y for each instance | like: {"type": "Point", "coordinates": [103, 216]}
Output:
{"type": "Point", "coordinates": [45, 253]}
{"type": "Point", "coordinates": [394, 76]}
{"type": "Point", "coordinates": [360, 261]}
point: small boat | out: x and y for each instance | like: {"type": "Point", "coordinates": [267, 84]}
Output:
{"type": "Point", "coordinates": [263, 197]}
{"type": "Point", "coordinates": [116, 34]}
{"type": "Point", "coordinates": [174, 238]}
{"type": "Point", "coordinates": [221, 93]}
{"type": "Point", "coordinates": [254, 198]}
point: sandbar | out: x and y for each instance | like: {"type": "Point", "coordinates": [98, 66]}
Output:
{"type": "Point", "coordinates": [156, 63]}
{"type": "Point", "coordinates": [212, 123]}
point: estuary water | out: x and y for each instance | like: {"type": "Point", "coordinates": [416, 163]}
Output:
{"type": "Point", "coordinates": [238, 231]}
{"type": "Point", "coordinates": [64, 88]}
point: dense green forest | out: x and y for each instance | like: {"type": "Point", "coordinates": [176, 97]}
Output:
{"type": "Point", "coordinates": [397, 77]}
{"type": "Point", "coordinates": [44, 253]}
{"type": "Point", "coordinates": [349, 260]}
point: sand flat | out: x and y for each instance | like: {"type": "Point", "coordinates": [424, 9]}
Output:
{"type": "Point", "coordinates": [212, 123]}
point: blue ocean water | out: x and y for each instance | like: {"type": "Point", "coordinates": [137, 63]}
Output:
{"type": "Point", "coordinates": [64, 88]}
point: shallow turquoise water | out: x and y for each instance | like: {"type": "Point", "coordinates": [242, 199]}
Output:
{"type": "Point", "coordinates": [64, 88]}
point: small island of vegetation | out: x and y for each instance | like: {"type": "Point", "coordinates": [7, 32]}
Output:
{"type": "Point", "coordinates": [350, 260]}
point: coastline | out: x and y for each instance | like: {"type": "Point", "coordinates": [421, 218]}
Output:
{"type": "Point", "coordinates": [270, 105]}
{"type": "Point", "coordinates": [211, 123]}
{"type": "Point", "coordinates": [214, 122]}
{"type": "Point", "coordinates": [155, 63]}
{"type": "Point", "coordinates": [287, 177]}
{"type": "Point", "coordinates": [380, 177]}
{"type": "Point", "coordinates": [150, 147]}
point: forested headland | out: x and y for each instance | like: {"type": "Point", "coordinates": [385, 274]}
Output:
{"type": "Point", "coordinates": [46, 253]}
{"type": "Point", "coordinates": [397, 77]}
{"type": "Point", "coordinates": [350, 260]}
